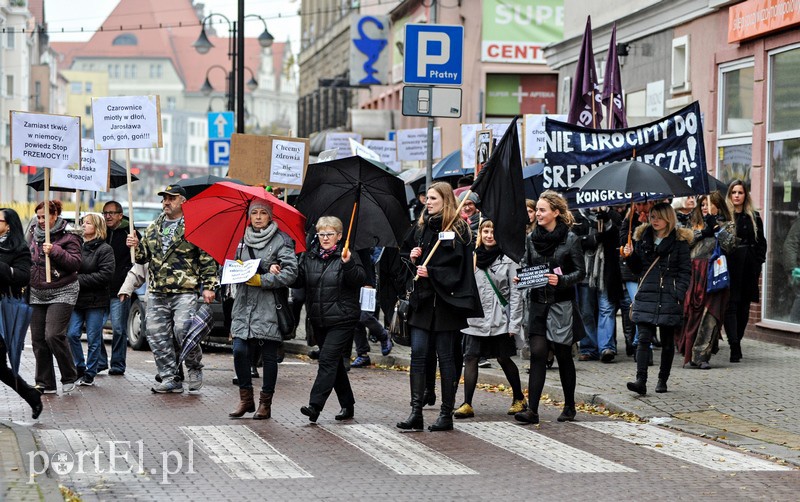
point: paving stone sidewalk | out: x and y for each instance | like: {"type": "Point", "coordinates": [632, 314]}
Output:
{"type": "Point", "coordinates": [752, 404]}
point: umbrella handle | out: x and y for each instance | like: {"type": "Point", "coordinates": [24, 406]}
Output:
{"type": "Point", "coordinates": [630, 228]}
{"type": "Point", "coordinates": [349, 229]}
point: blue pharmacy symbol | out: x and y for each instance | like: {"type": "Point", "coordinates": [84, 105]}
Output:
{"type": "Point", "coordinates": [370, 48]}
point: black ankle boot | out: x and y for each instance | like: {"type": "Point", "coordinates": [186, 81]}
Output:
{"type": "Point", "coordinates": [736, 352]}
{"type": "Point", "coordinates": [661, 386]}
{"type": "Point", "coordinates": [444, 422]}
{"type": "Point", "coordinates": [639, 387]}
{"type": "Point", "coordinates": [568, 414]}
{"type": "Point", "coordinates": [415, 420]}
{"type": "Point", "coordinates": [311, 412]}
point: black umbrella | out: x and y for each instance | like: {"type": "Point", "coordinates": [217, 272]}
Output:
{"type": "Point", "coordinates": [194, 186]}
{"type": "Point", "coordinates": [333, 188]}
{"type": "Point", "coordinates": [717, 184]}
{"type": "Point", "coordinates": [632, 176]}
{"type": "Point", "coordinates": [119, 177]}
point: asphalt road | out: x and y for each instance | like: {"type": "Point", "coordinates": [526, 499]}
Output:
{"type": "Point", "coordinates": [117, 440]}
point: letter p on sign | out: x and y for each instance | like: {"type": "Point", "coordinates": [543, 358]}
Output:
{"type": "Point", "coordinates": [427, 55]}
{"type": "Point", "coordinates": [433, 54]}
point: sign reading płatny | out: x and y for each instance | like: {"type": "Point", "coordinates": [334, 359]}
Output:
{"type": "Point", "coordinates": [127, 122]}
{"type": "Point", "coordinates": [44, 140]}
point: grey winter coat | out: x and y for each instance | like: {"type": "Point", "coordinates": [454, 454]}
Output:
{"type": "Point", "coordinates": [496, 319]}
{"type": "Point", "coordinates": [254, 314]}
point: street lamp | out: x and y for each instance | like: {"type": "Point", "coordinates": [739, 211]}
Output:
{"type": "Point", "coordinates": [236, 55]}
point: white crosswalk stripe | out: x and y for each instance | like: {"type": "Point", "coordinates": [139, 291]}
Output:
{"type": "Point", "coordinates": [82, 455]}
{"type": "Point", "coordinates": [242, 453]}
{"type": "Point", "coordinates": [539, 448]}
{"type": "Point", "coordinates": [396, 451]}
{"type": "Point", "coordinates": [682, 447]}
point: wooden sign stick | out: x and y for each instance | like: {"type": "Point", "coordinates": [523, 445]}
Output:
{"type": "Point", "coordinates": [130, 199]}
{"type": "Point", "coordinates": [450, 224]}
{"type": "Point", "coordinates": [46, 208]}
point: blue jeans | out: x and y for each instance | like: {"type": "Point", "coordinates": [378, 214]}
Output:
{"type": "Point", "coordinates": [94, 336]}
{"type": "Point", "coordinates": [119, 324]}
{"type": "Point", "coordinates": [606, 322]}
{"type": "Point", "coordinates": [587, 305]}
{"type": "Point", "coordinates": [631, 287]}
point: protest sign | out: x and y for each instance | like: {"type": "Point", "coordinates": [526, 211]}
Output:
{"type": "Point", "coordinates": [468, 137]}
{"type": "Point", "coordinates": [674, 142]}
{"type": "Point", "coordinates": [127, 122]}
{"type": "Point", "coordinates": [367, 298]}
{"type": "Point", "coordinates": [388, 152]}
{"type": "Point", "coordinates": [362, 151]}
{"type": "Point", "coordinates": [339, 141]}
{"type": "Point", "coordinates": [93, 174]}
{"type": "Point", "coordinates": [327, 155]}
{"type": "Point", "coordinates": [234, 272]}
{"type": "Point", "coordinates": [45, 140]}
{"type": "Point", "coordinates": [412, 144]}
{"type": "Point", "coordinates": [534, 145]}
{"type": "Point", "coordinates": [483, 148]}
{"type": "Point", "coordinates": [273, 160]}
{"type": "Point", "coordinates": [533, 277]}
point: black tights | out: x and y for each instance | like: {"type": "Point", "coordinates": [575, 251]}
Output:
{"type": "Point", "coordinates": [566, 370]}
{"type": "Point", "coordinates": [471, 377]}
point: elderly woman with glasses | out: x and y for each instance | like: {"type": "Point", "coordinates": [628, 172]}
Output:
{"type": "Point", "coordinates": [332, 277]}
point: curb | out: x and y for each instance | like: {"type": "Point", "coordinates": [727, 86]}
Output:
{"type": "Point", "coordinates": [494, 376]}
{"type": "Point", "coordinates": [47, 489]}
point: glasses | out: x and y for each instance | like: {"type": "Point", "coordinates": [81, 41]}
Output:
{"type": "Point", "coordinates": [327, 235]}
{"type": "Point", "coordinates": [107, 213]}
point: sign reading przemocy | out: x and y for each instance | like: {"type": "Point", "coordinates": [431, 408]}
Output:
{"type": "Point", "coordinates": [674, 142]}
{"type": "Point", "coordinates": [45, 140]}
{"type": "Point", "coordinates": [127, 122]}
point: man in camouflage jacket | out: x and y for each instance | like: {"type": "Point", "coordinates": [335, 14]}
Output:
{"type": "Point", "coordinates": [177, 271]}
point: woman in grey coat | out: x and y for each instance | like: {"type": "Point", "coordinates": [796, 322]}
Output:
{"type": "Point", "coordinates": [494, 335]}
{"type": "Point", "coordinates": [254, 324]}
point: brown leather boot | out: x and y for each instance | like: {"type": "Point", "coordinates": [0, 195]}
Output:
{"type": "Point", "coordinates": [264, 406]}
{"type": "Point", "coordinates": [246, 404]}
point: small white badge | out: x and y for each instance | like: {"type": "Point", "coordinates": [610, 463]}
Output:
{"type": "Point", "coordinates": [447, 236]}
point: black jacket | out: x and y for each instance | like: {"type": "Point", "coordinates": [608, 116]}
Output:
{"type": "Point", "coordinates": [569, 257]}
{"type": "Point", "coordinates": [332, 287]}
{"type": "Point", "coordinates": [94, 276]}
{"type": "Point", "coordinates": [15, 269]}
{"type": "Point", "coordinates": [448, 296]}
{"type": "Point", "coordinates": [122, 254]}
{"type": "Point", "coordinates": [659, 299]}
{"type": "Point", "coordinates": [744, 263]}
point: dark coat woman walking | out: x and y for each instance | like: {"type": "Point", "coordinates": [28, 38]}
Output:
{"type": "Point", "coordinates": [444, 296]}
{"type": "Point", "coordinates": [660, 256]}
{"type": "Point", "coordinates": [552, 307]}
{"type": "Point", "coordinates": [744, 266]}
{"type": "Point", "coordinates": [15, 268]}
{"type": "Point", "coordinates": [332, 278]}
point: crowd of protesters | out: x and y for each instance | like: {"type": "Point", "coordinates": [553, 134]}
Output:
{"type": "Point", "coordinates": [648, 261]}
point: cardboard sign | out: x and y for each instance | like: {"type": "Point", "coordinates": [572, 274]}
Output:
{"type": "Point", "coordinates": [44, 140]}
{"type": "Point", "coordinates": [362, 151]}
{"type": "Point", "coordinates": [94, 172]}
{"type": "Point", "coordinates": [533, 277]}
{"type": "Point", "coordinates": [412, 144]}
{"type": "Point", "coordinates": [273, 160]}
{"type": "Point", "coordinates": [339, 141]}
{"type": "Point", "coordinates": [127, 122]}
{"type": "Point", "coordinates": [535, 136]}
{"type": "Point", "coordinates": [234, 272]}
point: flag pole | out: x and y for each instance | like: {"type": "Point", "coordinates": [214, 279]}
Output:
{"type": "Point", "coordinates": [450, 224]}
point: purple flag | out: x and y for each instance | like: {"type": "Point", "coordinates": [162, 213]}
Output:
{"type": "Point", "coordinates": [612, 87]}
{"type": "Point", "coordinates": [585, 108]}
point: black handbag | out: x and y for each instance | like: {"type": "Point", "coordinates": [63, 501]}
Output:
{"type": "Point", "coordinates": [398, 328]}
{"type": "Point", "coordinates": [284, 311]}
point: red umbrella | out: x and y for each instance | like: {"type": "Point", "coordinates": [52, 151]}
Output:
{"type": "Point", "coordinates": [216, 218]}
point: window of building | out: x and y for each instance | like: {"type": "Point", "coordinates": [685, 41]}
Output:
{"type": "Point", "coordinates": [9, 85]}
{"type": "Point", "coordinates": [193, 154]}
{"type": "Point", "coordinates": [76, 87]}
{"type": "Point", "coordinates": [125, 39]}
{"type": "Point", "coordinates": [10, 32]}
{"type": "Point", "coordinates": [735, 120]}
{"type": "Point", "coordinates": [191, 128]}
{"type": "Point", "coordinates": [680, 65]}
{"type": "Point", "coordinates": [781, 300]}
{"type": "Point", "coordinates": [170, 102]}
{"type": "Point", "coordinates": [88, 110]}
{"type": "Point", "coordinates": [156, 70]}
{"type": "Point", "coordinates": [164, 126]}
{"type": "Point", "coordinates": [88, 87]}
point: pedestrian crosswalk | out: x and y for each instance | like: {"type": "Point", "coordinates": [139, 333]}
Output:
{"type": "Point", "coordinates": [240, 452]}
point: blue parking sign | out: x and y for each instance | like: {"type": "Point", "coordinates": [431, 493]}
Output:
{"type": "Point", "coordinates": [433, 54]}
{"type": "Point", "coordinates": [219, 152]}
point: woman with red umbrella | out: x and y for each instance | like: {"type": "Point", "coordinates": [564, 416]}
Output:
{"type": "Point", "coordinates": [254, 318]}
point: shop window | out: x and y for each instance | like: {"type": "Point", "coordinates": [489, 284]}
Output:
{"type": "Point", "coordinates": [680, 65]}
{"type": "Point", "coordinates": [781, 296]}
{"type": "Point", "coordinates": [736, 93]}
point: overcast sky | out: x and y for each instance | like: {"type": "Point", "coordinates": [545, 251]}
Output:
{"type": "Point", "coordinates": [90, 14]}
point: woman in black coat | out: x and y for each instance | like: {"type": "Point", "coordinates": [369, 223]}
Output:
{"type": "Point", "coordinates": [332, 278]}
{"type": "Point", "coordinates": [94, 278]}
{"type": "Point", "coordinates": [551, 243]}
{"type": "Point", "coordinates": [744, 265]}
{"type": "Point", "coordinates": [660, 256]}
{"type": "Point", "coordinates": [15, 269]}
{"type": "Point", "coordinates": [444, 296]}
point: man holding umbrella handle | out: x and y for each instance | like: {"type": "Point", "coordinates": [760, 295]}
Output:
{"type": "Point", "coordinates": [177, 270]}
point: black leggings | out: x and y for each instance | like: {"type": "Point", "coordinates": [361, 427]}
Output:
{"type": "Point", "coordinates": [471, 377]}
{"type": "Point", "coordinates": [566, 370]}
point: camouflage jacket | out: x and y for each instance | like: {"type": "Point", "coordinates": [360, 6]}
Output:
{"type": "Point", "coordinates": [182, 269]}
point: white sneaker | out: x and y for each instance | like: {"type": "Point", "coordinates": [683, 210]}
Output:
{"type": "Point", "coordinates": [194, 379]}
{"type": "Point", "coordinates": [67, 387]}
{"type": "Point", "coordinates": [171, 386]}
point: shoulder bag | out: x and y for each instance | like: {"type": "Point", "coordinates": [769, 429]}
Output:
{"type": "Point", "coordinates": [633, 300]}
{"type": "Point", "coordinates": [284, 312]}
{"type": "Point", "coordinates": [718, 277]}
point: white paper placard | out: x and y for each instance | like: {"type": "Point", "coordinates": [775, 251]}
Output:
{"type": "Point", "coordinates": [468, 133]}
{"type": "Point", "coordinates": [288, 161]}
{"type": "Point", "coordinates": [93, 174]}
{"type": "Point", "coordinates": [412, 144]}
{"type": "Point", "coordinates": [362, 151]}
{"type": "Point", "coordinates": [386, 149]}
{"type": "Point", "coordinates": [126, 122]}
{"type": "Point", "coordinates": [234, 272]}
{"type": "Point", "coordinates": [339, 141]}
{"type": "Point", "coordinates": [534, 134]}
{"type": "Point", "coordinates": [367, 299]}
{"type": "Point", "coordinates": [45, 140]}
